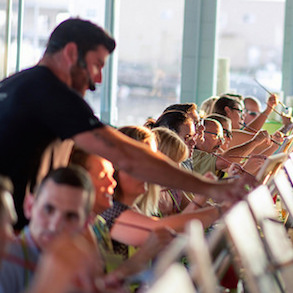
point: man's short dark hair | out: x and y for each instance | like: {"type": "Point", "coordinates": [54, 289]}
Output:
{"type": "Point", "coordinates": [84, 33]}
{"type": "Point", "coordinates": [74, 176]}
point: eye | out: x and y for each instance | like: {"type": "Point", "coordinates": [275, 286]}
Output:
{"type": "Point", "coordinates": [71, 216]}
{"type": "Point", "coordinates": [98, 66]}
{"type": "Point", "coordinates": [49, 209]}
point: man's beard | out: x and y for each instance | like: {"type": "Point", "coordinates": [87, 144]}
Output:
{"type": "Point", "coordinates": [81, 80]}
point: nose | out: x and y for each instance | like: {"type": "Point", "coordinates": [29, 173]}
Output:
{"type": "Point", "coordinates": [191, 142]}
{"type": "Point", "coordinates": [55, 223]}
{"type": "Point", "coordinates": [220, 140]}
{"type": "Point", "coordinates": [98, 76]}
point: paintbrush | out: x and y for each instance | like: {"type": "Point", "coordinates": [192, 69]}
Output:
{"type": "Point", "coordinates": [255, 131]}
{"type": "Point", "coordinates": [270, 93]}
{"type": "Point", "coordinates": [230, 163]}
{"type": "Point", "coordinates": [240, 157]}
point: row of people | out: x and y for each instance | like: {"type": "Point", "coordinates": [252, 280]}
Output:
{"type": "Point", "coordinates": [55, 113]}
{"type": "Point", "coordinates": [120, 218]}
{"type": "Point", "coordinates": [58, 207]}
{"type": "Point", "coordinates": [48, 97]}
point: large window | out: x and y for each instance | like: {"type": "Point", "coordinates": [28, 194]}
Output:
{"type": "Point", "coordinates": [251, 38]}
{"type": "Point", "coordinates": [149, 44]}
{"type": "Point", "coordinates": [149, 49]}
{"type": "Point", "coordinates": [40, 18]}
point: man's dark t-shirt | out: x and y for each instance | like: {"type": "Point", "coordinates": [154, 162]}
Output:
{"type": "Point", "coordinates": [35, 109]}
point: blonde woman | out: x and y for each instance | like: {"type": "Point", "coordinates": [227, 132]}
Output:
{"type": "Point", "coordinates": [131, 228]}
{"type": "Point", "coordinates": [172, 201]}
{"type": "Point", "coordinates": [161, 200]}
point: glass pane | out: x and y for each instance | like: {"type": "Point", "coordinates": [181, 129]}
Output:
{"type": "Point", "coordinates": [11, 52]}
{"type": "Point", "coordinates": [3, 8]}
{"type": "Point", "coordinates": [40, 18]}
{"type": "Point", "coordinates": [251, 37]}
{"type": "Point", "coordinates": [150, 45]}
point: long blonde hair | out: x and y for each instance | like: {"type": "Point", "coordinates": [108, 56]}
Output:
{"type": "Point", "coordinates": [146, 203]}
{"type": "Point", "coordinates": [170, 144]}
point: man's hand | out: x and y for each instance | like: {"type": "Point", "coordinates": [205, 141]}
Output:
{"type": "Point", "coordinates": [237, 189]}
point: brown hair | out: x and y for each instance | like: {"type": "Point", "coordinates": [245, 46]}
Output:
{"type": "Point", "coordinates": [75, 176]}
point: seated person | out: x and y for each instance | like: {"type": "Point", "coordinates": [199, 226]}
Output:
{"type": "Point", "coordinates": [187, 127]}
{"type": "Point", "coordinates": [179, 122]}
{"type": "Point", "coordinates": [252, 108]}
{"type": "Point", "coordinates": [132, 228]}
{"type": "Point", "coordinates": [188, 108]}
{"type": "Point", "coordinates": [61, 206]}
{"type": "Point", "coordinates": [205, 157]}
{"type": "Point", "coordinates": [203, 160]}
{"type": "Point", "coordinates": [234, 109]}
{"type": "Point", "coordinates": [101, 172]}
{"type": "Point", "coordinates": [252, 163]}
{"type": "Point", "coordinates": [227, 129]}
{"type": "Point", "coordinates": [191, 110]}
{"type": "Point", "coordinates": [171, 201]}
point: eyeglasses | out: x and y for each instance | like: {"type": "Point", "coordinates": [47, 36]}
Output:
{"type": "Point", "coordinates": [237, 109]}
{"type": "Point", "coordinates": [252, 113]}
{"type": "Point", "coordinates": [228, 133]}
{"type": "Point", "coordinates": [218, 135]}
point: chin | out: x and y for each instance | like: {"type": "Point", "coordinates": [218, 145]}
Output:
{"type": "Point", "coordinates": [141, 190]}
{"type": "Point", "coordinates": [45, 240]}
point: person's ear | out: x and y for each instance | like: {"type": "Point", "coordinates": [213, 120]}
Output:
{"type": "Point", "coordinates": [70, 53]}
{"type": "Point", "coordinates": [28, 205]}
{"type": "Point", "coordinates": [228, 111]}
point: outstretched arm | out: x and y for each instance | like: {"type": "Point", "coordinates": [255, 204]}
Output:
{"type": "Point", "coordinates": [140, 161]}
{"type": "Point", "coordinates": [133, 228]}
{"type": "Point", "coordinates": [234, 154]}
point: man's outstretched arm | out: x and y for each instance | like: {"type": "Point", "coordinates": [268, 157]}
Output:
{"type": "Point", "coordinates": [141, 162]}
